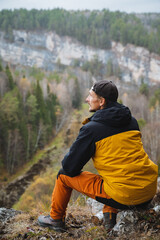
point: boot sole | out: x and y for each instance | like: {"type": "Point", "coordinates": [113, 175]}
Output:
{"type": "Point", "coordinates": [57, 229]}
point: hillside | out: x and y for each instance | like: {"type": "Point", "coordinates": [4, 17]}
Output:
{"type": "Point", "coordinates": [83, 220]}
{"type": "Point", "coordinates": [37, 174]}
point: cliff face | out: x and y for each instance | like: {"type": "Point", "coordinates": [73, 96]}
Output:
{"type": "Point", "coordinates": [44, 49]}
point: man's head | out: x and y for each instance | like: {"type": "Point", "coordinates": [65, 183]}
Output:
{"type": "Point", "coordinates": [100, 94]}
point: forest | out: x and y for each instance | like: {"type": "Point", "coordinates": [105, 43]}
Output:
{"type": "Point", "coordinates": [30, 112]}
{"type": "Point", "coordinates": [26, 119]}
{"type": "Point", "coordinates": [94, 28]}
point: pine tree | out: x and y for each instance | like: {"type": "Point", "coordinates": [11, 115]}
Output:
{"type": "Point", "coordinates": [109, 71]}
{"type": "Point", "coordinates": [51, 103]}
{"type": "Point", "coordinates": [31, 109]}
{"type": "Point", "coordinates": [22, 125]}
{"type": "Point", "coordinates": [41, 104]}
{"type": "Point", "coordinates": [77, 97]}
{"type": "Point", "coordinates": [10, 78]}
{"type": "Point", "coordinates": [144, 89]}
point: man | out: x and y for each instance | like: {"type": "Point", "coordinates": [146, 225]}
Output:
{"type": "Point", "coordinates": [111, 137]}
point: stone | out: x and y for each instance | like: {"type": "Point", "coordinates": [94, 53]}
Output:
{"type": "Point", "coordinates": [96, 208]}
{"type": "Point", "coordinates": [157, 208]}
{"type": "Point", "coordinates": [6, 214]}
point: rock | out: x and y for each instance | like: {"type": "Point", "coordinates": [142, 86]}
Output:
{"type": "Point", "coordinates": [130, 221]}
{"type": "Point", "coordinates": [125, 221]}
{"type": "Point", "coordinates": [99, 215]}
{"type": "Point", "coordinates": [157, 208]}
{"type": "Point", "coordinates": [6, 214]}
{"type": "Point", "coordinates": [96, 208]}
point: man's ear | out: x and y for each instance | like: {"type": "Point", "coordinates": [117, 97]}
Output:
{"type": "Point", "coordinates": [102, 102]}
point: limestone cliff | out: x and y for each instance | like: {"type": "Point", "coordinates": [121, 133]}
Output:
{"type": "Point", "coordinates": [44, 49]}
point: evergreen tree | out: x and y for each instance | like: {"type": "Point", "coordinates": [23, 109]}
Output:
{"type": "Point", "coordinates": [41, 104]}
{"type": "Point", "coordinates": [144, 89]}
{"type": "Point", "coordinates": [31, 109]}
{"type": "Point", "coordinates": [9, 109]}
{"type": "Point", "coordinates": [10, 78]}
{"type": "Point", "coordinates": [109, 71]}
{"type": "Point", "coordinates": [22, 120]}
{"type": "Point", "coordinates": [77, 97]}
{"type": "Point", "coordinates": [51, 103]}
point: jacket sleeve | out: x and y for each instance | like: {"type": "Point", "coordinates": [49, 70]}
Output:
{"type": "Point", "coordinates": [80, 153]}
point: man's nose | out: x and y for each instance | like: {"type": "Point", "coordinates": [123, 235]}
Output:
{"type": "Point", "coordinates": [87, 99]}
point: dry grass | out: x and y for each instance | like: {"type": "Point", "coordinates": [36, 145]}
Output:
{"type": "Point", "coordinates": [80, 225]}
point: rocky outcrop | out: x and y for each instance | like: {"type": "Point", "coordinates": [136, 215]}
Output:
{"type": "Point", "coordinates": [45, 49]}
{"type": "Point", "coordinates": [138, 62]}
{"type": "Point", "coordinates": [130, 221]}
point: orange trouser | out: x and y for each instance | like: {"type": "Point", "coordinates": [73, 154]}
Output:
{"type": "Point", "coordinates": [86, 183]}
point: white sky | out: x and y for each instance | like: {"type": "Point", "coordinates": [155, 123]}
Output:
{"type": "Point", "coordinates": [113, 5]}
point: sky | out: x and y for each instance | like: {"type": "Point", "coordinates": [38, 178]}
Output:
{"type": "Point", "coordinates": [129, 6]}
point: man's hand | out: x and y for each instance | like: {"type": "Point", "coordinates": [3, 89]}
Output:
{"type": "Point", "coordinates": [61, 171]}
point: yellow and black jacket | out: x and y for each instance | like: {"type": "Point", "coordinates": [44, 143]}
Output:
{"type": "Point", "coordinates": [112, 139]}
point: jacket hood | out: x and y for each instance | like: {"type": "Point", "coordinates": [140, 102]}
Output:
{"type": "Point", "coordinates": [115, 115]}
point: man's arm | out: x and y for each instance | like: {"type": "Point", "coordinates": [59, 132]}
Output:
{"type": "Point", "coordinates": [79, 154]}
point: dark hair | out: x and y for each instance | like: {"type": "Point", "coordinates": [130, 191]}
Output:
{"type": "Point", "coordinates": [106, 89]}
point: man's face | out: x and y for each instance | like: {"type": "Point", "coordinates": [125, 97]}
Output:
{"type": "Point", "coordinates": [94, 101]}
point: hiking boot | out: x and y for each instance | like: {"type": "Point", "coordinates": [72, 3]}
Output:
{"type": "Point", "coordinates": [56, 224]}
{"type": "Point", "coordinates": [109, 220]}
